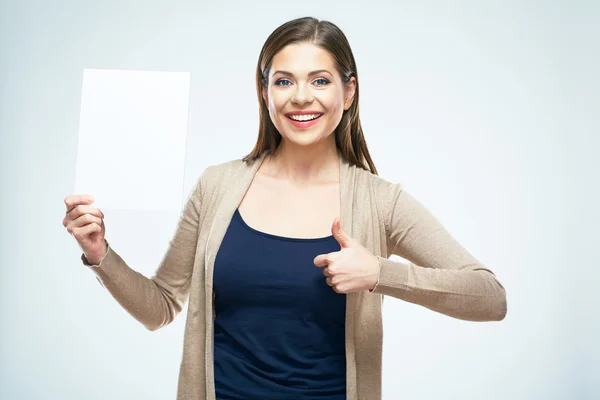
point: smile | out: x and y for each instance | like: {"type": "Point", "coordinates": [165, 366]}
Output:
{"type": "Point", "coordinates": [303, 117]}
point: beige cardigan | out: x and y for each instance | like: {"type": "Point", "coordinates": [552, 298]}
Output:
{"type": "Point", "coordinates": [441, 275]}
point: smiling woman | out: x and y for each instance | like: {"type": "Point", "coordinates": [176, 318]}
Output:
{"type": "Point", "coordinates": [284, 254]}
{"type": "Point", "coordinates": [306, 71]}
{"type": "Point", "coordinates": [306, 98]}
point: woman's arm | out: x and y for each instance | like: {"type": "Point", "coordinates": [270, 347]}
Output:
{"type": "Point", "coordinates": [441, 275]}
{"type": "Point", "coordinates": [156, 301]}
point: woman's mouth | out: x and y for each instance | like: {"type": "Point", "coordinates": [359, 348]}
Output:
{"type": "Point", "coordinates": [304, 120]}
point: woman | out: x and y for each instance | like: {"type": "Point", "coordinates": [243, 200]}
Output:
{"type": "Point", "coordinates": [284, 255]}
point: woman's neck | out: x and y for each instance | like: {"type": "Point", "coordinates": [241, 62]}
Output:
{"type": "Point", "coordinates": [305, 164]}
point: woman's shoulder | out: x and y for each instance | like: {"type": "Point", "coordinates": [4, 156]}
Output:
{"type": "Point", "coordinates": [384, 192]}
{"type": "Point", "coordinates": [224, 172]}
{"type": "Point", "coordinates": [223, 168]}
{"type": "Point", "coordinates": [379, 184]}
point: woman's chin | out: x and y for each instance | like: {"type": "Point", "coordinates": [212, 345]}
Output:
{"type": "Point", "coordinates": [306, 138]}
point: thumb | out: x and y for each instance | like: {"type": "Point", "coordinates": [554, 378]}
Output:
{"type": "Point", "coordinates": [342, 238]}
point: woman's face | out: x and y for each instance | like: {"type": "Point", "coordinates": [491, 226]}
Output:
{"type": "Point", "coordinates": [306, 96]}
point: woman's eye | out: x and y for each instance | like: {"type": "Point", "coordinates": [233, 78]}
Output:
{"type": "Point", "coordinates": [286, 82]}
{"type": "Point", "coordinates": [283, 82]}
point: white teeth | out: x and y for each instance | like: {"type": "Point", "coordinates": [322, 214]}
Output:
{"type": "Point", "coordinates": [306, 117]}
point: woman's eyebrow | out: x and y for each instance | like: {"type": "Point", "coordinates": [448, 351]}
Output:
{"type": "Point", "coordinates": [319, 71]}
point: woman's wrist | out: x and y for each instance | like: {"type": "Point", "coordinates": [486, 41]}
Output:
{"type": "Point", "coordinates": [96, 259]}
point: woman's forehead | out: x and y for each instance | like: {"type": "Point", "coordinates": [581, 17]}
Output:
{"type": "Point", "coordinates": [302, 59]}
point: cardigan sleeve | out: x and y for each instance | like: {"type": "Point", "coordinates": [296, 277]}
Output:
{"type": "Point", "coordinates": [156, 301]}
{"type": "Point", "coordinates": [440, 275]}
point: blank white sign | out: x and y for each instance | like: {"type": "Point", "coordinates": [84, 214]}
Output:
{"type": "Point", "coordinates": [132, 137]}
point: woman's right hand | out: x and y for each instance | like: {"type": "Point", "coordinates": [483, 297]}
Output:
{"type": "Point", "coordinates": [85, 223]}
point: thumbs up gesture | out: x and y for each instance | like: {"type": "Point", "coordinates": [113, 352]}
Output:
{"type": "Point", "coordinates": [353, 268]}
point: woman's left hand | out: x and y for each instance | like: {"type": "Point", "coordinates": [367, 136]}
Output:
{"type": "Point", "coordinates": [353, 268]}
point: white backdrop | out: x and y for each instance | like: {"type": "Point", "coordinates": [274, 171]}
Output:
{"type": "Point", "coordinates": [486, 112]}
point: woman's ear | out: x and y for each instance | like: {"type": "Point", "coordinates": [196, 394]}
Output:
{"type": "Point", "coordinates": [350, 89]}
{"type": "Point", "coordinates": [265, 96]}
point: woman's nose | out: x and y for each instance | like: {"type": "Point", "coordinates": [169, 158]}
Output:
{"type": "Point", "coordinates": [302, 94]}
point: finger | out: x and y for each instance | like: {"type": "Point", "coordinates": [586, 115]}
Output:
{"type": "Point", "coordinates": [85, 209]}
{"type": "Point", "coordinates": [342, 237]}
{"type": "Point", "coordinates": [81, 232]}
{"type": "Point", "coordinates": [84, 220]}
{"type": "Point", "coordinates": [329, 282]}
{"type": "Point", "coordinates": [322, 260]}
{"type": "Point", "coordinates": [73, 200]}
{"type": "Point", "coordinates": [339, 279]}
{"type": "Point", "coordinates": [325, 260]}
{"type": "Point", "coordinates": [326, 271]}
{"type": "Point", "coordinates": [80, 210]}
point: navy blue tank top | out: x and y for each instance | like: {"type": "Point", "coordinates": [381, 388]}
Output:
{"type": "Point", "coordinates": [279, 331]}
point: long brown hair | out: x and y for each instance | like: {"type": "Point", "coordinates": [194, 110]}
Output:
{"type": "Point", "coordinates": [349, 136]}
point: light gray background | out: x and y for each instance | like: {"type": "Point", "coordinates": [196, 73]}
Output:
{"type": "Point", "coordinates": [486, 111]}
